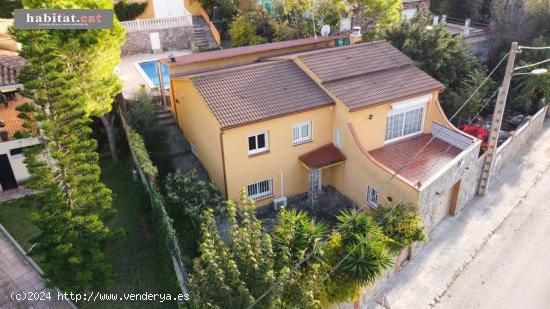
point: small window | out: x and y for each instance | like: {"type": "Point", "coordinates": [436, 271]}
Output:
{"type": "Point", "coordinates": [257, 143]}
{"type": "Point", "coordinates": [372, 197]}
{"type": "Point", "coordinates": [301, 133]}
{"type": "Point", "coordinates": [260, 189]}
{"type": "Point", "coordinates": [337, 138]}
{"type": "Point", "coordinates": [16, 151]}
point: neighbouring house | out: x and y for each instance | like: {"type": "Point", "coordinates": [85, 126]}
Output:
{"type": "Point", "coordinates": [13, 171]}
{"type": "Point", "coordinates": [348, 117]}
{"type": "Point", "coordinates": [170, 25]}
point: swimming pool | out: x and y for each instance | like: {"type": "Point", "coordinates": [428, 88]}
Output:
{"type": "Point", "coordinates": [149, 68]}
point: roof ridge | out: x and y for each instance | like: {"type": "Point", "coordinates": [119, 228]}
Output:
{"type": "Point", "coordinates": [326, 50]}
{"type": "Point", "coordinates": [234, 69]}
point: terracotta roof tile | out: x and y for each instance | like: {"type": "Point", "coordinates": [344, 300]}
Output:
{"type": "Point", "coordinates": [432, 158]}
{"type": "Point", "coordinates": [364, 90]}
{"type": "Point", "coordinates": [337, 63]}
{"type": "Point", "coordinates": [258, 92]}
{"type": "Point", "coordinates": [370, 73]}
{"type": "Point", "coordinates": [232, 52]}
{"type": "Point", "coordinates": [323, 156]}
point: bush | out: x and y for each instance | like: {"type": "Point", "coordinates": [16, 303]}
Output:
{"type": "Point", "coordinates": [189, 195]}
{"type": "Point", "coordinates": [129, 11]}
{"type": "Point", "coordinates": [142, 118]}
{"type": "Point", "coordinates": [145, 163]}
{"type": "Point", "coordinates": [401, 224]}
{"type": "Point", "coordinates": [284, 32]}
{"type": "Point", "coordinates": [243, 33]}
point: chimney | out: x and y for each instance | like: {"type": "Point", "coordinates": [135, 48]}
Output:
{"type": "Point", "coordinates": [172, 58]}
{"type": "Point", "coordinates": [355, 36]}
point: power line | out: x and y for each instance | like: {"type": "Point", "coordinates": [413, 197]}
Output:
{"type": "Point", "coordinates": [405, 166]}
{"type": "Point", "coordinates": [532, 65]}
{"type": "Point", "coordinates": [534, 47]}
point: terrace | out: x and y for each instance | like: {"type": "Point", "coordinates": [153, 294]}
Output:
{"type": "Point", "coordinates": [433, 151]}
{"type": "Point", "coordinates": [9, 122]}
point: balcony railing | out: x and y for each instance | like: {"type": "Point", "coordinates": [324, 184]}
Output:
{"type": "Point", "coordinates": [157, 23]}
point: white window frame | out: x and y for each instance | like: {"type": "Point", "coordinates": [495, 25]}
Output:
{"type": "Point", "coordinates": [260, 185]}
{"type": "Point", "coordinates": [296, 140]}
{"type": "Point", "coordinates": [403, 108]}
{"type": "Point", "coordinates": [337, 138]}
{"type": "Point", "coordinates": [372, 197]}
{"type": "Point", "coordinates": [257, 150]}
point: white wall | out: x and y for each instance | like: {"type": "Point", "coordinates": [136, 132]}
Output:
{"type": "Point", "coordinates": [19, 169]}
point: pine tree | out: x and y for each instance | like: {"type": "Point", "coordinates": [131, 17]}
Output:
{"type": "Point", "coordinates": [92, 55]}
{"type": "Point", "coordinates": [75, 203]}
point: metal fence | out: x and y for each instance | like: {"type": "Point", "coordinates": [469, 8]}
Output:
{"type": "Point", "coordinates": [164, 223]}
{"type": "Point", "coordinates": [157, 23]}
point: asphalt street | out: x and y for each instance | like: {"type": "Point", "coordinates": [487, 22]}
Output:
{"type": "Point", "coordinates": [513, 268]}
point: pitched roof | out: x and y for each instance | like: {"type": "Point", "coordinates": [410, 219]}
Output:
{"type": "Point", "coordinates": [337, 63]}
{"type": "Point", "coordinates": [366, 74]}
{"type": "Point", "coordinates": [364, 90]}
{"type": "Point", "coordinates": [256, 92]}
{"type": "Point", "coordinates": [323, 156]}
{"type": "Point", "coordinates": [237, 51]}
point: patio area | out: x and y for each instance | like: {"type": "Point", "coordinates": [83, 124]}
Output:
{"type": "Point", "coordinates": [133, 77]}
{"type": "Point", "coordinates": [431, 158]}
{"type": "Point", "coordinates": [9, 122]}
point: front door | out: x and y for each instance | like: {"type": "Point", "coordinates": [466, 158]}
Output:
{"type": "Point", "coordinates": [7, 178]}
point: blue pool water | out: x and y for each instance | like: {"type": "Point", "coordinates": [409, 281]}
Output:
{"type": "Point", "coordinates": [150, 69]}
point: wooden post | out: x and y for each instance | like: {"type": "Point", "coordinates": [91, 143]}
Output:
{"type": "Point", "coordinates": [497, 121]}
{"type": "Point", "coordinates": [161, 83]}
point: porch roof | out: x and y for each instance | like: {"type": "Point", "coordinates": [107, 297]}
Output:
{"type": "Point", "coordinates": [322, 157]}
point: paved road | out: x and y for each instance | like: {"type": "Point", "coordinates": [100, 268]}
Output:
{"type": "Point", "coordinates": [513, 269]}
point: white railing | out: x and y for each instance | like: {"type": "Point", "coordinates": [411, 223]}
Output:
{"type": "Point", "coordinates": [157, 23]}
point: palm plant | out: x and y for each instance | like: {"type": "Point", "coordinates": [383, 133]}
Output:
{"type": "Point", "coordinates": [358, 253]}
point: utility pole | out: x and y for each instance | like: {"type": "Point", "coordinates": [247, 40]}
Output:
{"type": "Point", "coordinates": [497, 121]}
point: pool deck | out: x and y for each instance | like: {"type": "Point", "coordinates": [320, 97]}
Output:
{"type": "Point", "coordinates": [131, 78]}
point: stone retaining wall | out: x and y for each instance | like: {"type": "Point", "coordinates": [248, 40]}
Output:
{"type": "Point", "coordinates": [178, 38]}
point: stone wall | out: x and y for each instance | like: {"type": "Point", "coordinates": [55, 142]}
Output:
{"type": "Point", "coordinates": [170, 39]}
{"type": "Point", "coordinates": [515, 143]}
{"type": "Point", "coordinates": [463, 169]}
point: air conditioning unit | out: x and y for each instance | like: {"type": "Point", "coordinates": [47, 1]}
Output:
{"type": "Point", "coordinates": [279, 202]}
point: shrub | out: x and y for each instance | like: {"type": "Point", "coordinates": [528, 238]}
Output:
{"type": "Point", "coordinates": [145, 163]}
{"type": "Point", "coordinates": [129, 11]}
{"type": "Point", "coordinates": [401, 224]}
{"type": "Point", "coordinates": [189, 195]}
{"type": "Point", "coordinates": [8, 6]}
{"type": "Point", "coordinates": [243, 33]}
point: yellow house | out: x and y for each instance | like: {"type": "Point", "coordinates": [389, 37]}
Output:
{"type": "Point", "coordinates": [360, 118]}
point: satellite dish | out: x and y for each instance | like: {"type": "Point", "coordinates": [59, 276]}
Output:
{"type": "Point", "coordinates": [325, 30]}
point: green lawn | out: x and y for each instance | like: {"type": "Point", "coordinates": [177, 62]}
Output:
{"type": "Point", "coordinates": [14, 216]}
{"type": "Point", "coordinates": [138, 261]}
